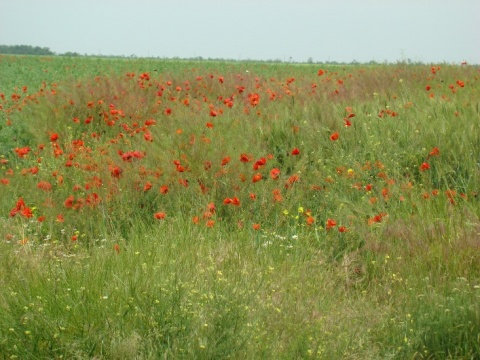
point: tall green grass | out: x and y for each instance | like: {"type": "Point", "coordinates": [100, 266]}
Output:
{"type": "Point", "coordinates": [356, 250]}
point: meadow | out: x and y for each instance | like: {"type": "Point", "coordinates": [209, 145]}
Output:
{"type": "Point", "coordinates": [207, 210]}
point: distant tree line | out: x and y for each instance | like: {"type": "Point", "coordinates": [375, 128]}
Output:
{"type": "Point", "coordinates": [37, 50]}
{"type": "Point", "coordinates": [25, 50]}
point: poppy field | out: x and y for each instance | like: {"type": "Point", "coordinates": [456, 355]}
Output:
{"type": "Point", "coordinates": [162, 209]}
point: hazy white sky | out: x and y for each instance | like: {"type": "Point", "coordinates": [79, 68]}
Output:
{"type": "Point", "coordinates": [328, 30]}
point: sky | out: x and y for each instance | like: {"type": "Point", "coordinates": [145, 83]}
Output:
{"type": "Point", "coordinates": [428, 31]}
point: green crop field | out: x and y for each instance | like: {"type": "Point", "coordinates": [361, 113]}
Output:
{"type": "Point", "coordinates": [205, 210]}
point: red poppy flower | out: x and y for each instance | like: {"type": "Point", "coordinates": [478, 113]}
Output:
{"type": "Point", "coordinates": [44, 185]}
{"type": "Point", "coordinates": [211, 207]}
{"type": "Point", "coordinates": [295, 151]}
{"type": "Point", "coordinates": [256, 227]}
{"type": "Point", "coordinates": [234, 201]}
{"type": "Point", "coordinates": [385, 193]}
{"type": "Point", "coordinates": [310, 220]}
{"type": "Point", "coordinates": [148, 185]}
{"type": "Point", "coordinates": [451, 195]}
{"type": "Point", "coordinates": [93, 199]}
{"type": "Point", "coordinates": [292, 179]}
{"type": "Point", "coordinates": [256, 177]}
{"type": "Point", "coordinates": [376, 219]}
{"type": "Point", "coordinates": [330, 224]}
{"type": "Point", "coordinates": [159, 215]}
{"type": "Point", "coordinates": [115, 171]}
{"type": "Point", "coordinates": [424, 166]}
{"type": "Point", "coordinates": [334, 136]}
{"type": "Point", "coordinates": [26, 212]}
{"type": "Point", "coordinates": [210, 223]}
{"type": "Point", "coordinates": [145, 76]}
{"type": "Point", "coordinates": [68, 203]}
{"type": "Point", "coordinates": [57, 150]}
{"type": "Point", "coordinates": [277, 196]}
{"type": "Point", "coordinates": [164, 189]}
{"type": "Point", "coordinates": [274, 173]}
{"type": "Point", "coordinates": [22, 152]}
{"type": "Point", "coordinates": [148, 136]}
{"type": "Point", "coordinates": [245, 158]}
{"type": "Point", "coordinates": [259, 163]}
{"type": "Point", "coordinates": [435, 152]}
{"type": "Point", "coordinates": [18, 207]}
{"type": "Point", "coordinates": [226, 160]}
{"type": "Point", "coordinates": [54, 137]}
{"type": "Point", "coordinates": [254, 99]}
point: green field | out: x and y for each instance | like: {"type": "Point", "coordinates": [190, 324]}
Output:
{"type": "Point", "coordinates": [206, 210]}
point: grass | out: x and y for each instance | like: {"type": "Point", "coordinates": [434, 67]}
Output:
{"type": "Point", "coordinates": [141, 217]}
